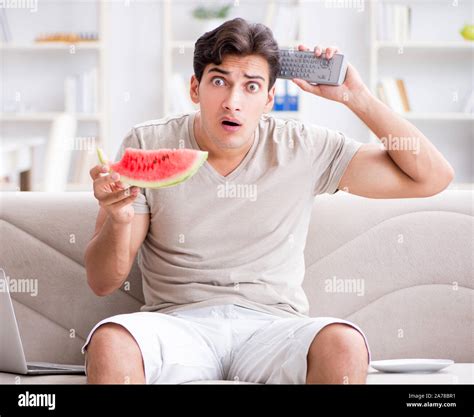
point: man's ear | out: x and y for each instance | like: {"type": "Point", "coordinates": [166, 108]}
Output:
{"type": "Point", "coordinates": [270, 100]}
{"type": "Point", "coordinates": [194, 89]}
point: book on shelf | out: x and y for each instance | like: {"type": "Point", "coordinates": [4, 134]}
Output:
{"type": "Point", "coordinates": [393, 22]}
{"type": "Point", "coordinates": [89, 159]}
{"type": "Point", "coordinates": [58, 152]}
{"type": "Point", "coordinates": [403, 95]}
{"type": "Point", "coordinates": [5, 32]}
{"type": "Point", "coordinates": [81, 93]}
{"type": "Point", "coordinates": [469, 102]}
{"type": "Point", "coordinates": [292, 96]}
{"type": "Point", "coordinates": [286, 96]}
{"type": "Point", "coordinates": [70, 94]}
{"type": "Point", "coordinates": [393, 93]}
{"type": "Point", "coordinates": [74, 164]}
{"type": "Point", "coordinates": [68, 37]}
{"type": "Point", "coordinates": [280, 93]}
{"type": "Point", "coordinates": [82, 160]}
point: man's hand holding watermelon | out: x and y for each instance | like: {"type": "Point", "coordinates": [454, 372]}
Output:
{"type": "Point", "coordinates": [112, 194]}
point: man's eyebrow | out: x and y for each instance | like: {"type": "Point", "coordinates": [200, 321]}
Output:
{"type": "Point", "coordinates": [221, 71]}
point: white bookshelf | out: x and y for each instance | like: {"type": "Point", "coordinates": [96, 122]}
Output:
{"type": "Point", "coordinates": [46, 117]}
{"type": "Point", "coordinates": [47, 46]}
{"type": "Point", "coordinates": [32, 121]}
{"type": "Point", "coordinates": [437, 121]}
{"type": "Point", "coordinates": [442, 116]}
{"type": "Point", "coordinates": [423, 45]}
{"type": "Point", "coordinates": [186, 46]}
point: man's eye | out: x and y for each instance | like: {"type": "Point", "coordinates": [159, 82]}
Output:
{"type": "Point", "coordinates": [217, 79]}
{"type": "Point", "coordinates": [256, 87]}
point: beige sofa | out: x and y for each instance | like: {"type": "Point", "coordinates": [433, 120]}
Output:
{"type": "Point", "coordinates": [413, 256]}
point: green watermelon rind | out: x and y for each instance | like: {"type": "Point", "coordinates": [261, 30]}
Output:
{"type": "Point", "coordinates": [102, 157]}
{"type": "Point", "coordinates": [202, 156]}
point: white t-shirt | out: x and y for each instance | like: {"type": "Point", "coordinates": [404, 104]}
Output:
{"type": "Point", "coordinates": [237, 239]}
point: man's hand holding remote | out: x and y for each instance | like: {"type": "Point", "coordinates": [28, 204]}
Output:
{"type": "Point", "coordinates": [352, 85]}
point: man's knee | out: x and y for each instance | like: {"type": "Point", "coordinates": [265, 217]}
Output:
{"type": "Point", "coordinates": [112, 345]}
{"type": "Point", "coordinates": [110, 337]}
{"type": "Point", "coordinates": [339, 339]}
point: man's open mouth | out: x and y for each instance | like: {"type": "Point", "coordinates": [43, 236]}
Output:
{"type": "Point", "coordinates": [229, 123]}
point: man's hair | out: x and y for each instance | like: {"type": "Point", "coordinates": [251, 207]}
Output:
{"type": "Point", "coordinates": [237, 37]}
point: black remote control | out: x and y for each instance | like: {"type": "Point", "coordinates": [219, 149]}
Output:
{"type": "Point", "coordinates": [316, 70]}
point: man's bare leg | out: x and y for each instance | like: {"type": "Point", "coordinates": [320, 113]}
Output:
{"type": "Point", "coordinates": [337, 355]}
{"type": "Point", "coordinates": [113, 357]}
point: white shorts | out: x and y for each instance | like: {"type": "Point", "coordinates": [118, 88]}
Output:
{"type": "Point", "coordinates": [225, 342]}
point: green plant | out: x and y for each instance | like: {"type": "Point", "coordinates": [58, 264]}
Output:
{"type": "Point", "coordinates": [203, 12]}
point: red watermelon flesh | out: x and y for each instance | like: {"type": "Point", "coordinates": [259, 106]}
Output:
{"type": "Point", "coordinates": [158, 168]}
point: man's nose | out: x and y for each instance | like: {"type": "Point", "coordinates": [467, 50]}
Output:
{"type": "Point", "coordinates": [233, 100]}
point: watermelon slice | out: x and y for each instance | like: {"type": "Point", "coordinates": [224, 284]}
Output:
{"type": "Point", "coordinates": [156, 168]}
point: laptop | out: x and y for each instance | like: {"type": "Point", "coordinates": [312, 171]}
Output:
{"type": "Point", "coordinates": [12, 355]}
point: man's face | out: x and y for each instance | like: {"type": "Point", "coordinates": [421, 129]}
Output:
{"type": "Point", "coordinates": [235, 89]}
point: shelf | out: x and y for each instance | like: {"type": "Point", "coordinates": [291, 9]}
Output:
{"type": "Point", "coordinates": [50, 46]}
{"type": "Point", "coordinates": [45, 117]}
{"type": "Point", "coordinates": [71, 186]}
{"type": "Point", "coordinates": [188, 44]}
{"type": "Point", "coordinates": [79, 187]}
{"type": "Point", "coordinates": [461, 186]}
{"type": "Point", "coordinates": [450, 116]}
{"type": "Point", "coordinates": [424, 45]}
{"type": "Point", "coordinates": [453, 116]}
{"type": "Point", "coordinates": [182, 44]}
{"type": "Point", "coordinates": [286, 114]}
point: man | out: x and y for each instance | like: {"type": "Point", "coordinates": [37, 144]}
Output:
{"type": "Point", "coordinates": [222, 271]}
